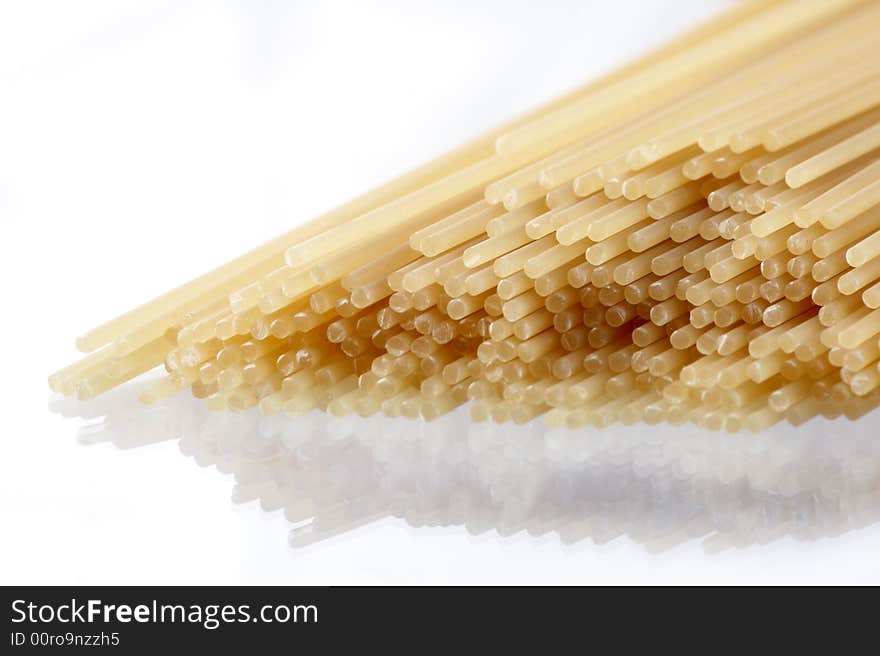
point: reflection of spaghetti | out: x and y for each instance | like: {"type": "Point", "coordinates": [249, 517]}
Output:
{"type": "Point", "coordinates": [332, 475]}
{"type": "Point", "coordinates": [692, 238]}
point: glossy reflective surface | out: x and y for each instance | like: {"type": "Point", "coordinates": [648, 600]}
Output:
{"type": "Point", "coordinates": [658, 486]}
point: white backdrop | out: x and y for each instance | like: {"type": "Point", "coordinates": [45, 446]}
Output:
{"type": "Point", "coordinates": [142, 143]}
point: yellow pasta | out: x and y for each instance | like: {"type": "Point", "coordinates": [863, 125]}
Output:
{"type": "Point", "coordinates": [691, 238]}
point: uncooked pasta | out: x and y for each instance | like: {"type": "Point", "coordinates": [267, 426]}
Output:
{"type": "Point", "coordinates": [692, 238]}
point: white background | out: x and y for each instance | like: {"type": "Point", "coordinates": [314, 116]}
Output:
{"type": "Point", "coordinates": [142, 143]}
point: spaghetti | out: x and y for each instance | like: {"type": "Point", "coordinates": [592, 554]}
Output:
{"type": "Point", "coordinates": [691, 238]}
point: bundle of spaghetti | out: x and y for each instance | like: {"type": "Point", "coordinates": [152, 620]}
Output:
{"type": "Point", "coordinates": [693, 238]}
